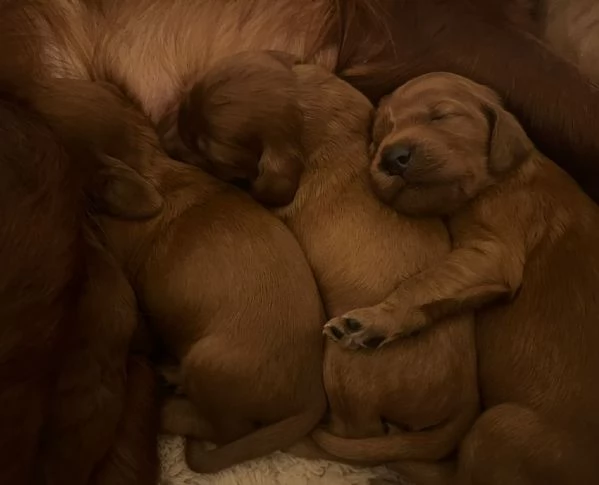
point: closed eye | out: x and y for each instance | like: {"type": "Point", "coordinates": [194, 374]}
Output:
{"type": "Point", "coordinates": [445, 110]}
{"type": "Point", "coordinates": [443, 115]}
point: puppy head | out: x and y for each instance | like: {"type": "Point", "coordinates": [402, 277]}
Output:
{"type": "Point", "coordinates": [439, 140]}
{"type": "Point", "coordinates": [242, 123]}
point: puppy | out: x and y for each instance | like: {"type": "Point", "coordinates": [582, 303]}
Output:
{"type": "Point", "coordinates": [239, 142]}
{"type": "Point", "coordinates": [359, 251]}
{"type": "Point", "coordinates": [229, 291]}
{"type": "Point", "coordinates": [521, 229]}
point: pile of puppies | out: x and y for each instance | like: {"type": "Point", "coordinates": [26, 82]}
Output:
{"type": "Point", "coordinates": [452, 268]}
{"type": "Point", "coordinates": [464, 212]}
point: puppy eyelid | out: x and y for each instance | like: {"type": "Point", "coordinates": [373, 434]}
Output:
{"type": "Point", "coordinates": [444, 110]}
{"type": "Point", "coordinates": [443, 115]}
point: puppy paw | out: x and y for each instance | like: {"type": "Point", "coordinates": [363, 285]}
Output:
{"type": "Point", "coordinates": [369, 328]}
{"type": "Point", "coordinates": [357, 329]}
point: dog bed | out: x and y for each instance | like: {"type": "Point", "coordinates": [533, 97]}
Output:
{"type": "Point", "coordinates": [278, 468]}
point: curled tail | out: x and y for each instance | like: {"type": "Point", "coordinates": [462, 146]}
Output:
{"type": "Point", "coordinates": [432, 444]}
{"type": "Point", "coordinates": [133, 459]}
{"type": "Point", "coordinates": [266, 440]}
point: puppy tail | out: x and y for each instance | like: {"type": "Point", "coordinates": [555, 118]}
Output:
{"type": "Point", "coordinates": [431, 444]}
{"type": "Point", "coordinates": [133, 459]}
{"type": "Point", "coordinates": [266, 440]}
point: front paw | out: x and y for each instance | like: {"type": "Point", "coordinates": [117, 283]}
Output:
{"type": "Point", "coordinates": [371, 328]}
{"type": "Point", "coordinates": [363, 328]}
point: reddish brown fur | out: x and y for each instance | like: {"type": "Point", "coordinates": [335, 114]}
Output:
{"type": "Point", "coordinates": [80, 379]}
{"type": "Point", "coordinates": [40, 252]}
{"type": "Point", "coordinates": [409, 402]}
{"type": "Point", "coordinates": [520, 227]}
{"type": "Point", "coordinates": [225, 124]}
{"type": "Point", "coordinates": [132, 458]}
{"type": "Point", "coordinates": [334, 209]}
{"type": "Point", "coordinates": [250, 359]}
{"type": "Point", "coordinates": [571, 28]}
{"type": "Point", "coordinates": [463, 37]}
{"type": "Point", "coordinates": [482, 39]}
{"type": "Point", "coordinates": [474, 38]}
{"type": "Point", "coordinates": [96, 390]}
{"type": "Point", "coordinates": [92, 390]}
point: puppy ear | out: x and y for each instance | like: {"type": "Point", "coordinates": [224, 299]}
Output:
{"type": "Point", "coordinates": [509, 144]}
{"type": "Point", "coordinates": [278, 177]}
{"type": "Point", "coordinates": [119, 191]}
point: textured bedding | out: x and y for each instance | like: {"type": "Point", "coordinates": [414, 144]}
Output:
{"type": "Point", "coordinates": [278, 468]}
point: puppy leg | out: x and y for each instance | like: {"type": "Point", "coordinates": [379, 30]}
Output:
{"type": "Point", "coordinates": [468, 278]}
{"type": "Point", "coordinates": [513, 445]}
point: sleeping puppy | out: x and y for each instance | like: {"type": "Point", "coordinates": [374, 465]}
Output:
{"type": "Point", "coordinates": [238, 142]}
{"type": "Point", "coordinates": [228, 289]}
{"type": "Point", "coordinates": [521, 228]}
{"type": "Point", "coordinates": [413, 400]}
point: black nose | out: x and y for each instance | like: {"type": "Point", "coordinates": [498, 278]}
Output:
{"type": "Point", "coordinates": [395, 159]}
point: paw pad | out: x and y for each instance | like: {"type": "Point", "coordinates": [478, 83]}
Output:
{"type": "Point", "coordinates": [338, 334]}
{"type": "Point", "coordinates": [352, 324]}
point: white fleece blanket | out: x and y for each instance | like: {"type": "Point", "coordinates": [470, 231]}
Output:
{"type": "Point", "coordinates": [278, 468]}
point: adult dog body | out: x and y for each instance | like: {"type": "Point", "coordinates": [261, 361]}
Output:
{"type": "Point", "coordinates": [154, 50]}
{"type": "Point", "coordinates": [74, 405]}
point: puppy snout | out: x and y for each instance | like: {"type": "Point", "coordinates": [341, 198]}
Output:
{"type": "Point", "coordinates": [395, 159]}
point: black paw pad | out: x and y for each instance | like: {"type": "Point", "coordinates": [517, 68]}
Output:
{"type": "Point", "coordinates": [374, 342]}
{"type": "Point", "coordinates": [338, 334]}
{"type": "Point", "coordinates": [352, 324]}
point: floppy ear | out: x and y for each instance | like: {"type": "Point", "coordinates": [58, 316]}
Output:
{"type": "Point", "coordinates": [509, 144]}
{"type": "Point", "coordinates": [119, 191]}
{"type": "Point", "coordinates": [279, 173]}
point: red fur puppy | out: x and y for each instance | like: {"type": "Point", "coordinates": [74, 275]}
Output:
{"type": "Point", "coordinates": [228, 289]}
{"type": "Point", "coordinates": [521, 229]}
